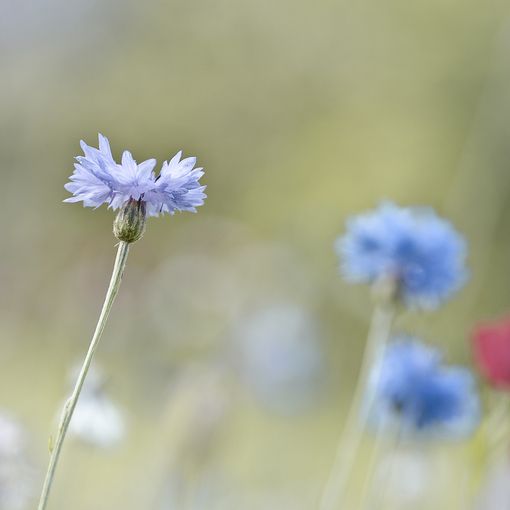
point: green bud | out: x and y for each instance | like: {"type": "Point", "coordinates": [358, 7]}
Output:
{"type": "Point", "coordinates": [129, 225]}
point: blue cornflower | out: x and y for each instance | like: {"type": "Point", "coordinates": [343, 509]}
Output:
{"type": "Point", "coordinates": [97, 179]}
{"type": "Point", "coordinates": [422, 253]}
{"type": "Point", "coordinates": [412, 391]}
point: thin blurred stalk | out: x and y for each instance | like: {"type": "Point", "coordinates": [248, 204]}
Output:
{"type": "Point", "coordinates": [113, 289]}
{"type": "Point", "coordinates": [467, 482]}
{"type": "Point", "coordinates": [380, 328]}
{"type": "Point", "coordinates": [497, 424]}
{"type": "Point", "coordinates": [377, 498]}
{"type": "Point", "coordinates": [495, 440]}
{"type": "Point", "coordinates": [367, 491]}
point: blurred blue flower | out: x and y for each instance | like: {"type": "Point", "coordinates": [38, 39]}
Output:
{"type": "Point", "coordinates": [280, 357]}
{"type": "Point", "coordinates": [422, 252]}
{"type": "Point", "coordinates": [412, 391]}
{"type": "Point", "coordinates": [97, 179]}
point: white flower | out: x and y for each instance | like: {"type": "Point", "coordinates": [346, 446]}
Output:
{"type": "Point", "coordinates": [15, 470]}
{"type": "Point", "coordinates": [98, 421]}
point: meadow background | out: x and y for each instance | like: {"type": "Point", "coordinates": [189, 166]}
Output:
{"type": "Point", "coordinates": [234, 345]}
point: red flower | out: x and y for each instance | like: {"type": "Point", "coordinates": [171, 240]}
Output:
{"type": "Point", "coordinates": [491, 346]}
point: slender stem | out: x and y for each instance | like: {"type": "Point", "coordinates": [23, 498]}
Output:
{"type": "Point", "coordinates": [113, 289]}
{"type": "Point", "coordinates": [495, 436]}
{"type": "Point", "coordinates": [373, 464]}
{"type": "Point", "coordinates": [350, 441]}
{"type": "Point", "coordinates": [496, 426]}
{"type": "Point", "coordinates": [379, 498]}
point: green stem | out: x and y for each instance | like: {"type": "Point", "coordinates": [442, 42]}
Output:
{"type": "Point", "coordinates": [496, 426]}
{"type": "Point", "coordinates": [113, 289]}
{"type": "Point", "coordinates": [373, 464]}
{"type": "Point", "coordinates": [378, 499]}
{"type": "Point", "coordinates": [336, 485]}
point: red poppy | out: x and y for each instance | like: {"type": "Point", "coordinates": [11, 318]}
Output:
{"type": "Point", "coordinates": [491, 346]}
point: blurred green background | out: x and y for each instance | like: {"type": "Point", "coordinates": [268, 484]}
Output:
{"type": "Point", "coordinates": [234, 345]}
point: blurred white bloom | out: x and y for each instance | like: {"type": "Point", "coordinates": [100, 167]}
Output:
{"type": "Point", "coordinates": [97, 420]}
{"type": "Point", "coordinates": [11, 437]}
{"type": "Point", "coordinates": [15, 470]}
{"type": "Point", "coordinates": [280, 355]}
{"type": "Point", "coordinates": [495, 493]}
{"type": "Point", "coordinates": [405, 476]}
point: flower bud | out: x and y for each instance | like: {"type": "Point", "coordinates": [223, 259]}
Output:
{"type": "Point", "coordinates": [129, 225]}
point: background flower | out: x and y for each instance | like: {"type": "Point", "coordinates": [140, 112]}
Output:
{"type": "Point", "coordinates": [16, 472]}
{"type": "Point", "coordinates": [414, 393]}
{"type": "Point", "coordinates": [279, 357]}
{"type": "Point", "coordinates": [422, 252]}
{"type": "Point", "coordinates": [495, 492]}
{"type": "Point", "coordinates": [97, 420]}
{"type": "Point", "coordinates": [491, 348]}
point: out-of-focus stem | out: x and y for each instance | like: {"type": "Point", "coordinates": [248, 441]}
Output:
{"type": "Point", "coordinates": [335, 489]}
{"type": "Point", "coordinates": [378, 499]}
{"type": "Point", "coordinates": [368, 486]}
{"type": "Point", "coordinates": [113, 288]}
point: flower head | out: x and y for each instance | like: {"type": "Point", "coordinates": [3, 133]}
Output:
{"type": "Point", "coordinates": [413, 391]}
{"type": "Point", "coordinates": [98, 421]}
{"type": "Point", "coordinates": [97, 179]}
{"type": "Point", "coordinates": [491, 346]}
{"type": "Point", "coordinates": [422, 253]}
